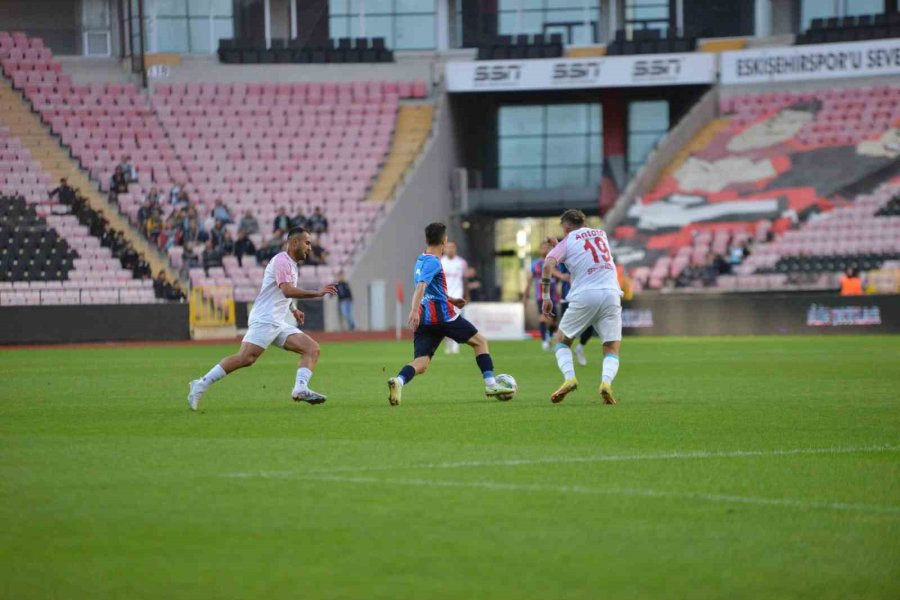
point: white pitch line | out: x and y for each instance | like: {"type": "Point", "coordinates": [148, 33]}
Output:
{"type": "Point", "coordinates": [577, 489]}
{"type": "Point", "coordinates": [580, 459]}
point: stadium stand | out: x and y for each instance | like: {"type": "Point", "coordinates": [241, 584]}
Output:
{"type": "Point", "coordinates": [341, 50]}
{"type": "Point", "coordinates": [762, 183]}
{"type": "Point", "coordinates": [413, 127]}
{"type": "Point", "coordinates": [650, 41]}
{"type": "Point", "coordinates": [851, 29]}
{"type": "Point", "coordinates": [260, 146]}
{"type": "Point", "coordinates": [517, 47]}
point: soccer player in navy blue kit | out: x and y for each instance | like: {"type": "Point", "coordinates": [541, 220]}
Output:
{"type": "Point", "coordinates": [434, 316]}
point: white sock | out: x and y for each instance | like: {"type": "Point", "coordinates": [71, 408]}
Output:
{"type": "Point", "coordinates": [610, 367]}
{"type": "Point", "coordinates": [215, 374]}
{"type": "Point", "coordinates": [490, 380]}
{"type": "Point", "coordinates": [564, 361]}
{"type": "Point", "coordinates": [303, 377]}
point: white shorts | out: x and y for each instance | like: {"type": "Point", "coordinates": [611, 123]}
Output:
{"type": "Point", "coordinates": [264, 334]}
{"type": "Point", "coordinates": [600, 309]}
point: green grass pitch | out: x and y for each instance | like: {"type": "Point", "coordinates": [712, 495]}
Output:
{"type": "Point", "coordinates": [731, 468]}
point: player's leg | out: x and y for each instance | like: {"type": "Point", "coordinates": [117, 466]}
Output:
{"type": "Point", "coordinates": [609, 328]}
{"type": "Point", "coordinates": [245, 357]}
{"type": "Point", "coordinates": [577, 318]}
{"type": "Point", "coordinates": [308, 349]}
{"type": "Point", "coordinates": [577, 349]}
{"type": "Point", "coordinates": [425, 342]}
{"type": "Point", "coordinates": [543, 327]}
{"type": "Point", "coordinates": [466, 333]}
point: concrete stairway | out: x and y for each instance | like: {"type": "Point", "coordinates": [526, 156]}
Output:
{"type": "Point", "coordinates": [414, 123]}
{"type": "Point", "coordinates": [16, 113]}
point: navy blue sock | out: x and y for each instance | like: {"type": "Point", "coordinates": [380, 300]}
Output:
{"type": "Point", "coordinates": [543, 331]}
{"type": "Point", "coordinates": [486, 364]}
{"type": "Point", "coordinates": [407, 373]}
{"type": "Point", "coordinates": [586, 335]}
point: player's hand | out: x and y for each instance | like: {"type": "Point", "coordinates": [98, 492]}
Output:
{"type": "Point", "coordinates": [458, 302]}
{"type": "Point", "coordinates": [552, 241]}
{"type": "Point", "coordinates": [298, 314]}
{"type": "Point", "coordinates": [328, 290]}
{"type": "Point", "coordinates": [413, 320]}
{"type": "Point", "coordinates": [547, 309]}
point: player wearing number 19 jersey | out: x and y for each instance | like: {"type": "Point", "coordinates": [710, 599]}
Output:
{"type": "Point", "coordinates": [594, 300]}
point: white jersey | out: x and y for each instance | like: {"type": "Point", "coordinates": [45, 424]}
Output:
{"type": "Point", "coordinates": [271, 305]}
{"type": "Point", "coordinates": [588, 258]}
{"type": "Point", "coordinates": [455, 272]}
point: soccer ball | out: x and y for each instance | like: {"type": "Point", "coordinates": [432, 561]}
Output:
{"type": "Point", "coordinates": [511, 382]}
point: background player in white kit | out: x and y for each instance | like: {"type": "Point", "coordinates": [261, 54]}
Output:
{"type": "Point", "coordinates": [274, 319]}
{"type": "Point", "coordinates": [594, 300]}
{"type": "Point", "coordinates": [455, 268]}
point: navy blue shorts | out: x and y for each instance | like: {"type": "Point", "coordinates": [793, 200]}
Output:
{"type": "Point", "coordinates": [427, 338]}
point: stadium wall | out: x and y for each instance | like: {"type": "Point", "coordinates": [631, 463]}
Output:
{"type": "Point", "coordinates": [761, 314]}
{"type": "Point", "coordinates": [208, 69]}
{"type": "Point", "coordinates": [426, 196]}
{"type": "Point", "coordinates": [93, 323]}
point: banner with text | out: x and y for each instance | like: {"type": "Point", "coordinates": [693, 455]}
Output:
{"type": "Point", "coordinates": [581, 73]}
{"type": "Point", "coordinates": [498, 320]}
{"type": "Point", "coordinates": [822, 61]}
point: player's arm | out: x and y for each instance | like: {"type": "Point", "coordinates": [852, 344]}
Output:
{"type": "Point", "coordinates": [465, 283]}
{"type": "Point", "coordinates": [528, 285]}
{"type": "Point", "coordinates": [560, 275]}
{"type": "Point", "coordinates": [291, 291]}
{"type": "Point", "coordinates": [546, 281]}
{"type": "Point", "coordinates": [418, 294]}
{"type": "Point", "coordinates": [298, 315]}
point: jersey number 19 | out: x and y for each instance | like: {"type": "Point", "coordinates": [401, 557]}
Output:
{"type": "Point", "coordinates": [601, 246]}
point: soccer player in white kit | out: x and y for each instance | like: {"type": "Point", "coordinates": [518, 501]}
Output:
{"type": "Point", "coordinates": [594, 300]}
{"type": "Point", "coordinates": [274, 319]}
{"type": "Point", "coordinates": [455, 268]}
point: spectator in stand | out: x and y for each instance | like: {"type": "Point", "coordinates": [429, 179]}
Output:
{"type": "Point", "coordinates": [144, 213]}
{"type": "Point", "coordinates": [171, 234]}
{"type": "Point", "coordinates": [118, 184]}
{"type": "Point", "coordinates": [318, 255]}
{"type": "Point", "coordinates": [129, 257]}
{"type": "Point", "coordinates": [227, 245]}
{"type": "Point", "coordinates": [161, 286]}
{"type": "Point", "coordinates": [747, 249]}
{"type": "Point", "coordinates": [248, 224]}
{"type": "Point", "coordinates": [65, 191]}
{"type": "Point", "coordinates": [211, 257]}
{"type": "Point", "coordinates": [851, 283]}
{"type": "Point", "coordinates": [272, 247]}
{"type": "Point", "coordinates": [317, 222]}
{"type": "Point", "coordinates": [282, 221]}
{"type": "Point", "coordinates": [175, 192]}
{"type": "Point", "coordinates": [108, 237]}
{"type": "Point", "coordinates": [345, 302]}
{"type": "Point", "coordinates": [221, 212]}
{"type": "Point", "coordinates": [153, 197]}
{"type": "Point", "coordinates": [194, 234]}
{"type": "Point", "coordinates": [735, 255]}
{"type": "Point", "coordinates": [97, 223]}
{"type": "Point", "coordinates": [79, 203]}
{"type": "Point", "coordinates": [244, 246]}
{"type": "Point", "coordinates": [300, 220]}
{"type": "Point", "coordinates": [217, 234]}
{"type": "Point", "coordinates": [118, 245]}
{"type": "Point", "coordinates": [174, 292]}
{"type": "Point", "coordinates": [189, 258]}
{"type": "Point", "coordinates": [142, 268]}
{"type": "Point", "coordinates": [183, 200]}
{"type": "Point", "coordinates": [128, 169]}
{"type": "Point", "coordinates": [153, 226]}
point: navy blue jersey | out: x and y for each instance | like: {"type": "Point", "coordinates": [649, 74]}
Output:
{"type": "Point", "coordinates": [566, 285]}
{"type": "Point", "coordinates": [435, 307]}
